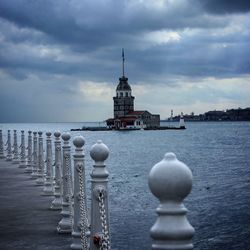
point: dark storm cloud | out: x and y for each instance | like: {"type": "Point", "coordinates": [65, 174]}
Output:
{"type": "Point", "coordinates": [92, 25]}
{"type": "Point", "coordinates": [51, 46]}
{"type": "Point", "coordinates": [190, 61]}
{"type": "Point", "coordinates": [225, 6]}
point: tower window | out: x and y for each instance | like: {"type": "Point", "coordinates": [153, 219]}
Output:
{"type": "Point", "coordinates": [126, 94]}
{"type": "Point", "coordinates": [121, 94]}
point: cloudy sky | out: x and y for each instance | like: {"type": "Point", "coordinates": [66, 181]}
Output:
{"type": "Point", "coordinates": [60, 60]}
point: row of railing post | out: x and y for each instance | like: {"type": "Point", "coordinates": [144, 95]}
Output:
{"type": "Point", "coordinates": [169, 180]}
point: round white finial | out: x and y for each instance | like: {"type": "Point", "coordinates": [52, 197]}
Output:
{"type": "Point", "coordinates": [99, 152]}
{"type": "Point", "coordinates": [66, 136]}
{"type": "Point", "coordinates": [40, 133]}
{"type": "Point", "coordinates": [57, 134]}
{"type": "Point", "coordinates": [170, 179]}
{"type": "Point", "coordinates": [79, 141]}
{"type": "Point", "coordinates": [48, 133]}
{"type": "Point", "coordinates": [170, 157]}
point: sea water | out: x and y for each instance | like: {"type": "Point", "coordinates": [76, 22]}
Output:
{"type": "Point", "coordinates": [218, 153]}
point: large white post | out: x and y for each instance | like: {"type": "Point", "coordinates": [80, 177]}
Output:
{"type": "Point", "coordinates": [80, 232]}
{"type": "Point", "coordinates": [29, 156]}
{"type": "Point", "coordinates": [15, 159]}
{"type": "Point", "coordinates": [40, 175]}
{"type": "Point", "coordinates": [34, 157]}
{"type": "Point", "coordinates": [9, 149]}
{"type": "Point", "coordinates": [99, 195]}
{"type": "Point", "coordinates": [65, 225]}
{"type": "Point", "coordinates": [170, 180]}
{"type": "Point", "coordinates": [57, 202]}
{"type": "Point", "coordinates": [48, 185]}
{"type": "Point", "coordinates": [22, 163]}
{"type": "Point", "coordinates": [1, 146]}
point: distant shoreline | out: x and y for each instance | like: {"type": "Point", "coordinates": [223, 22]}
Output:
{"type": "Point", "coordinates": [174, 121]}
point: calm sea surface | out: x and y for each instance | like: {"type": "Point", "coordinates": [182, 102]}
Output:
{"type": "Point", "coordinates": [218, 155]}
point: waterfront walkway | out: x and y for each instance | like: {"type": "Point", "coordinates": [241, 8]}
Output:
{"type": "Point", "coordinates": [25, 220]}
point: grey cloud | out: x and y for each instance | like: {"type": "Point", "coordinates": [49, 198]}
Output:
{"type": "Point", "coordinates": [92, 24]}
{"type": "Point", "coordinates": [29, 101]}
{"type": "Point", "coordinates": [14, 34]}
{"type": "Point", "coordinates": [225, 6]}
{"type": "Point", "coordinates": [97, 31]}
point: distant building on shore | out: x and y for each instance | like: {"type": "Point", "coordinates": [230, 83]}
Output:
{"type": "Point", "coordinates": [217, 115]}
{"type": "Point", "coordinates": [125, 117]}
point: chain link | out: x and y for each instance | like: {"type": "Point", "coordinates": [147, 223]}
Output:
{"type": "Point", "coordinates": [84, 225]}
{"type": "Point", "coordinates": [105, 241]}
{"type": "Point", "coordinates": [29, 156]}
{"type": "Point", "coordinates": [69, 187]}
{"type": "Point", "coordinates": [22, 153]}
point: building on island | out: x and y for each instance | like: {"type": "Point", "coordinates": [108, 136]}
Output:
{"type": "Point", "coordinates": [125, 116]}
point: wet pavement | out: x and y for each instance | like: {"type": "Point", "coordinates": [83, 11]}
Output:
{"type": "Point", "coordinates": [26, 222]}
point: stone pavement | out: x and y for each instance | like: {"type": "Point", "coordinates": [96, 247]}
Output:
{"type": "Point", "coordinates": [25, 219]}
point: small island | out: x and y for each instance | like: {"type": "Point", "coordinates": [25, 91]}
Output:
{"type": "Point", "coordinates": [126, 117]}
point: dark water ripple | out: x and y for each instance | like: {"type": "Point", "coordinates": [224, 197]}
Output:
{"type": "Point", "coordinates": [218, 155]}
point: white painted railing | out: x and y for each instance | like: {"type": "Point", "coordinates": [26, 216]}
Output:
{"type": "Point", "coordinates": [48, 189]}
{"type": "Point", "coordinates": [2, 156]}
{"type": "Point", "coordinates": [34, 162]}
{"type": "Point", "coordinates": [15, 159]}
{"type": "Point", "coordinates": [28, 168]}
{"type": "Point", "coordinates": [66, 223]}
{"type": "Point", "coordinates": [22, 163]}
{"type": "Point", "coordinates": [57, 202]}
{"type": "Point", "coordinates": [170, 180]}
{"type": "Point", "coordinates": [40, 168]}
{"type": "Point", "coordinates": [8, 149]}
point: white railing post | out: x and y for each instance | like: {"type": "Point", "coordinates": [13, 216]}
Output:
{"type": "Point", "coordinates": [1, 146]}
{"type": "Point", "coordinates": [28, 169]}
{"type": "Point", "coordinates": [22, 163]}
{"type": "Point", "coordinates": [34, 157]}
{"type": "Point", "coordinates": [57, 202]}
{"type": "Point", "coordinates": [9, 149]}
{"type": "Point", "coordinates": [48, 185]}
{"type": "Point", "coordinates": [15, 159]}
{"type": "Point", "coordinates": [170, 180]}
{"type": "Point", "coordinates": [40, 171]}
{"type": "Point", "coordinates": [80, 232]}
{"type": "Point", "coordinates": [65, 225]}
{"type": "Point", "coordinates": [99, 196]}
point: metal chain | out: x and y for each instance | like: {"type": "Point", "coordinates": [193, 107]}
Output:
{"type": "Point", "coordinates": [22, 153]}
{"type": "Point", "coordinates": [105, 242]}
{"type": "Point", "coordinates": [35, 162]}
{"type": "Point", "coordinates": [29, 156]}
{"type": "Point", "coordinates": [84, 225]}
{"type": "Point", "coordinates": [1, 146]}
{"type": "Point", "coordinates": [59, 169]}
{"type": "Point", "coordinates": [69, 188]}
{"type": "Point", "coordinates": [8, 146]}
